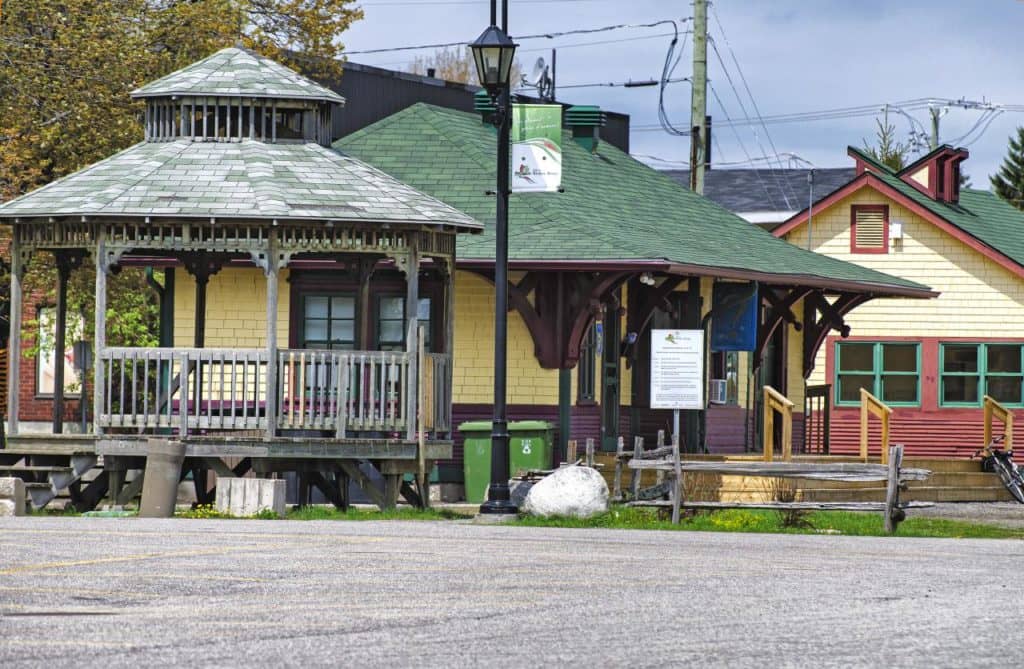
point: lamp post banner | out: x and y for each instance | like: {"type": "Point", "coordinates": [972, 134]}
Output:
{"type": "Point", "coordinates": [536, 148]}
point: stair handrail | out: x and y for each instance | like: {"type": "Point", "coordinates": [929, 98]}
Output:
{"type": "Point", "coordinates": [872, 406]}
{"type": "Point", "coordinates": [776, 401]}
{"type": "Point", "coordinates": [995, 410]}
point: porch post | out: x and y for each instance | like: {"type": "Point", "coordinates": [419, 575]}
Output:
{"type": "Point", "coordinates": [449, 340]}
{"type": "Point", "coordinates": [63, 263]}
{"type": "Point", "coordinates": [412, 300]}
{"type": "Point", "coordinates": [14, 338]}
{"type": "Point", "coordinates": [100, 337]}
{"type": "Point", "coordinates": [271, 394]}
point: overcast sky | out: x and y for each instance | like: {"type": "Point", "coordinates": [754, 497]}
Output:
{"type": "Point", "coordinates": [796, 55]}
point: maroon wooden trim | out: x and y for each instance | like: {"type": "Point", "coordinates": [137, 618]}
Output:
{"type": "Point", "coordinates": [867, 208]}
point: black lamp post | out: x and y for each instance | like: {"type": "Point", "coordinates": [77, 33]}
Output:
{"type": "Point", "coordinates": [493, 52]}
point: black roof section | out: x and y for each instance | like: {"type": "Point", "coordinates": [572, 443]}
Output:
{"type": "Point", "coordinates": [374, 93]}
{"type": "Point", "coordinates": [749, 190]}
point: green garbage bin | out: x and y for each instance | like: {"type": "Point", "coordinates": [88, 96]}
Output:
{"type": "Point", "coordinates": [476, 459]}
{"type": "Point", "coordinates": [530, 444]}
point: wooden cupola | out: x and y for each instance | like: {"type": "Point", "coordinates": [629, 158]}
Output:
{"type": "Point", "coordinates": [236, 95]}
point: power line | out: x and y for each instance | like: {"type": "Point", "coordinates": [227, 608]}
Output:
{"type": "Point", "coordinates": [642, 83]}
{"type": "Point", "coordinates": [750, 95]}
{"type": "Point", "coordinates": [552, 35]}
{"type": "Point", "coordinates": [739, 140]}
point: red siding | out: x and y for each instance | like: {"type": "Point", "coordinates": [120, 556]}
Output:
{"type": "Point", "coordinates": [941, 433]}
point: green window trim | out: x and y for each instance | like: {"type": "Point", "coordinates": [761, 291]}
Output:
{"type": "Point", "coordinates": [877, 372]}
{"type": "Point", "coordinates": [981, 373]}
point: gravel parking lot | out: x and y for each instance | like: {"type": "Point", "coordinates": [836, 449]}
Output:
{"type": "Point", "coordinates": [134, 592]}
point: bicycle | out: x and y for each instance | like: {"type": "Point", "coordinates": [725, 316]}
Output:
{"type": "Point", "coordinates": [1001, 462]}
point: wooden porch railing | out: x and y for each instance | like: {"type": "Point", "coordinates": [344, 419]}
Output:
{"type": "Point", "coordinates": [995, 410]}
{"type": "Point", "coordinates": [872, 406]}
{"type": "Point", "coordinates": [776, 401]}
{"type": "Point", "coordinates": [343, 390]}
{"type": "Point", "coordinates": [184, 389]}
{"type": "Point", "coordinates": [189, 389]}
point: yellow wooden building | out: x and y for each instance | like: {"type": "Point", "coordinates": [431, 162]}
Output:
{"type": "Point", "coordinates": [933, 361]}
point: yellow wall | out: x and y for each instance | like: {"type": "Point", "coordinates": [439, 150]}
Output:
{"type": "Point", "coordinates": [236, 309]}
{"type": "Point", "coordinates": [969, 283]}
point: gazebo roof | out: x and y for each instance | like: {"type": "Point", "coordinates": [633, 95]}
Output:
{"type": "Point", "coordinates": [248, 179]}
{"type": "Point", "coordinates": [238, 72]}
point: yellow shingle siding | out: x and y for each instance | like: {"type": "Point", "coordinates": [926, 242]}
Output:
{"type": "Point", "coordinates": [236, 309]}
{"type": "Point", "coordinates": [979, 298]}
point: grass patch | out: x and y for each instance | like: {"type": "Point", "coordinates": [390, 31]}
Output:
{"type": "Point", "coordinates": [771, 522]}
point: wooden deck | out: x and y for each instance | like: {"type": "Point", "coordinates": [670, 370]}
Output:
{"type": "Point", "coordinates": [228, 447]}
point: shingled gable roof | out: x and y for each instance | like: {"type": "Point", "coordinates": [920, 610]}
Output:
{"type": "Point", "coordinates": [247, 179]}
{"type": "Point", "coordinates": [980, 219]}
{"type": "Point", "coordinates": [614, 210]}
{"type": "Point", "coordinates": [237, 71]}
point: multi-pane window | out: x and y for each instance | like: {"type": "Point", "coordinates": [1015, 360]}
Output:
{"type": "Point", "coordinates": [586, 376]}
{"type": "Point", "coordinates": [391, 323]}
{"type": "Point", "coordinates": [971, 371]}
{"type": "Point", "coordinates": [889, 371]}
{"type": "Point", "coordinates": [329, 321]}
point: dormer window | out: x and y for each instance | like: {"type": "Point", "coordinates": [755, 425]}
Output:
{"type": "Point", "coordinates": [869, 228]}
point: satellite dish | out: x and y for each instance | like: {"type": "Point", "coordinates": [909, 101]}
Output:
{"type": "Point", "coordinates": [538, 73]}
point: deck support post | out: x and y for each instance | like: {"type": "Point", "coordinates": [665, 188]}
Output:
{"type": "Point", "coordinates": [271, 269]}
{"type": "Point", "coordinates": [100, 336]}
{"type": "Point", "coordinates": [14, 338]}
{"type": "Point", "coordinates": [412, 302]}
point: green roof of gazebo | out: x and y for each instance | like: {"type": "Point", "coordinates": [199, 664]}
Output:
{"type": "Point", "coordinates": [613, 208]}
{"type": "Point", "coordinates": [236, 180]}
{"type": "Point", "coordinates": [238, 72]}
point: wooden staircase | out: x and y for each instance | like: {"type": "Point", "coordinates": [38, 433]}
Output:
{"type": "Point", "coordinates": [61, 473]}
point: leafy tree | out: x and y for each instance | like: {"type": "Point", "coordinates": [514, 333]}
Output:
{"type": "Point", "coordinates": [66, 69]}
{"type": "Point", "coordinates": [1008, 182]}
{"type": "Point", "coordinates": [887, 150]}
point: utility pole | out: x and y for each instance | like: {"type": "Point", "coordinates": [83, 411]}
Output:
{"type": "Point", "coordinates": [698, 97]}
{"type": "Point", "coordinates": [935, 114]}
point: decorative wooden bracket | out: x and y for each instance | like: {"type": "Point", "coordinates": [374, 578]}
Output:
{"type": "Point", "coordinates": [781, 309]}
{"type": "Point", "coordinates": [832, 318]}
{"type": "Point", "coordinates": [564, 304]}
{"type": "Point", "coordinates": [203, 264]}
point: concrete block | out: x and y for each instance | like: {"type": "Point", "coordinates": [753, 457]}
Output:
{"type": "Point", "coordinates": [243, 497]}
{"type": "Point", "coordinates": [12, 497]}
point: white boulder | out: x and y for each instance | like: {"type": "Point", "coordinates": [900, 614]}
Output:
{"type": "Point", "coordinates": [576, 492]}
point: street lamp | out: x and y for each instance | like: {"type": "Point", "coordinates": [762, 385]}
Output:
{"type": "Point", "coordinates": [493, 52]}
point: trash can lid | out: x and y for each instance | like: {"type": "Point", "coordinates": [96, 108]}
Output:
{"type": "Point", "coordinates": [529, 425]}
{"type": "Point", "coordinates": [475, 426]}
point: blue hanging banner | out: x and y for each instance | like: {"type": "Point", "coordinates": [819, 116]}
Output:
{"type": "Point", "coordinates": [734, 317]}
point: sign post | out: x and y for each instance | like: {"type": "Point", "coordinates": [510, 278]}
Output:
{"type": "Point", "coordinates": [677, 371]}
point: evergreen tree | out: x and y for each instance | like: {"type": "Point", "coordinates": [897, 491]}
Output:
{"type": "Point", "coordinates": [887, 150]}
{"type": "Point", "coordinates": [1008, 182]}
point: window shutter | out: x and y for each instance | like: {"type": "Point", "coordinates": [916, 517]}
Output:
{"type": "Point", "coordinates": [869, 229]}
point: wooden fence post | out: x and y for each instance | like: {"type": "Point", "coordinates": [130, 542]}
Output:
{"type": "Point", "coordinates": [893, 513]}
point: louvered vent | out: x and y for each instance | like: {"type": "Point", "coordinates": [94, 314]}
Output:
{"type": "Point", "coordinates": [870, 229]}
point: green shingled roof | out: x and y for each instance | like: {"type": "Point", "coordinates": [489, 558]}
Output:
{"type": "Point", "coordinates": [613, 207]}
{"type": "Point", "coordinates": [980, 213]}
{"type": "Point", "coordinates": [247, 179]}
{"type": "Point", "coordinates": [240, 72]}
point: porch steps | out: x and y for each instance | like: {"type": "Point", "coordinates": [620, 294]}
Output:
{"type": "Point", "coordinates": [58, 477]}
